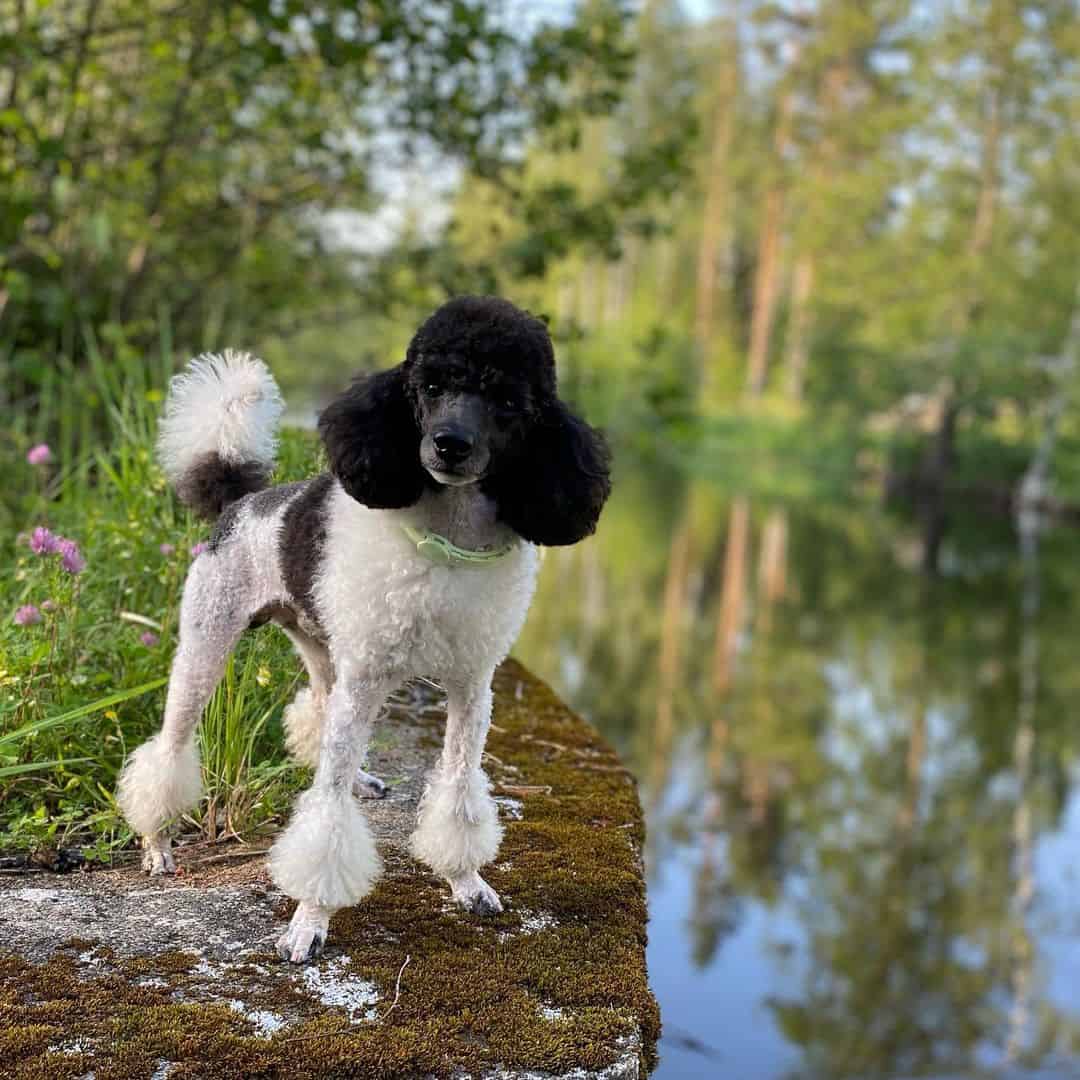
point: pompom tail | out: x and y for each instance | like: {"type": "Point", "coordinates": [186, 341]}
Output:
{"type": "Point", "coordinates": [218, 438]}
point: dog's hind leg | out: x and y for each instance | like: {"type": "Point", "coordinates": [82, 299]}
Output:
{"type": "Point", "coordinates": [304, 715]}
{"type": "Point", "coordinates": [303, 718]}
{"type": "Point", "coordinates": [326, 858]}
{"type": "Point", "coordinates": [458, 828]}
{"type": "Point", "coordinates": [162, 777]}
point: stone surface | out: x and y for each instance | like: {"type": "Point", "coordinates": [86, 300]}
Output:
{"type": "Point", "coordinates": [112, 974]}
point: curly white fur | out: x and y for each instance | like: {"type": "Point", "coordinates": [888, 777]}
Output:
{"type": "Point", "coordinates": [227, 404]}
{"type": "Point", "coordinates": [458, 827]}
{"type": "Point", "coordinates": [303, 721]}
{"type": "Point", "coordinates": [159, 782]}
{"type": "Point", "coordinates": [327, 855]}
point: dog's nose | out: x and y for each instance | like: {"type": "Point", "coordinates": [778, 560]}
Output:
{"type": "Point", "coordinates": [453, 446]}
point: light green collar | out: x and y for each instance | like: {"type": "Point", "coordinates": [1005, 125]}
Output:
{"type": "Point", "coordinates": [441, 551]}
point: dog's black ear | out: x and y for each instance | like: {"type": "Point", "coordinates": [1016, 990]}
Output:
{"type": "Point", "coordinates": [554, 488]}
{"type": "Point", "coordinates": [373, 441]}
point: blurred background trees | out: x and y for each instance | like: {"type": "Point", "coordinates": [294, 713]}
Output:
{"type": "Point", "coordinates": [859, 212]}
{"type": "Point", "coordinates": [190, 164]}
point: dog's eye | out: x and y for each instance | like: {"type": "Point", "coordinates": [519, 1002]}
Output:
{"type": "Point", "coordinates": [433, 389]}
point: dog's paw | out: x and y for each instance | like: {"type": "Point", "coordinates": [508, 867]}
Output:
{"type": "Point", "coordinates": [366, 786]}
{"type": "Point", "coordinates": [303, 942]}
{"type": "Point", "coordinates": [300, 946]}
{"type": "Point", "coordinates": [157, 858]}
{"type": "Point", "coordinates": [473, 893]}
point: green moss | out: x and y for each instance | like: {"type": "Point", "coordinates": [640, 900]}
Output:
{"type": "Point", "coordinates": [473, 989]}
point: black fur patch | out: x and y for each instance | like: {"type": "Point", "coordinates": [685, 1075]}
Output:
{"type": "Point", "coordinates": [226, 525]}
{"type": "Point", "coordinates": [303, 537]}
{"type": "Point", "coordinates": [552, 489]}
{"type": "Point", "coordinates": [211, 484]}
{"type": "Point", "coordinates": [373, 443]}
{"type": "Point", "coordinates": [269, 501]}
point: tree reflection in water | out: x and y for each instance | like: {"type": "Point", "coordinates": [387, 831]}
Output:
{"type": "Point", "coordinates": [833, 740]}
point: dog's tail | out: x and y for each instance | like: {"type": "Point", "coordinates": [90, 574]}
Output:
{"type": "Point", "coordinates": [218, 437]}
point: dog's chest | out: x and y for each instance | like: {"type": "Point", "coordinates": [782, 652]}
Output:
{"type": "Point", "coordinates": [390, 606]}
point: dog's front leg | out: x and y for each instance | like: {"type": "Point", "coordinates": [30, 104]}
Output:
{"type": "Point", "coordinates": [326, 858]}
{"type": "Point", "coordinates": [458, 828]}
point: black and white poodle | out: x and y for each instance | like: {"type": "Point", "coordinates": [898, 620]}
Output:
{"type": "Point", "coordinates": [415, 555]}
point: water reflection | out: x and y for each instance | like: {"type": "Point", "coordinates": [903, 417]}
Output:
{"type": "Point", "coordinates": [864, 816]}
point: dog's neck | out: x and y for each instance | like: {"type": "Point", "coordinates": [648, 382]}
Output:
{"type": "Point", "coordinates": [464, 515]}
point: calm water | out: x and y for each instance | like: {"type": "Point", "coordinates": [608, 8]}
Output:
{"type": "Point", "coordinates": [862, 783]}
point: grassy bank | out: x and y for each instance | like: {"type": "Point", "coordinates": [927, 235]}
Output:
{"type": "Point", "coordinates": [90, 594]}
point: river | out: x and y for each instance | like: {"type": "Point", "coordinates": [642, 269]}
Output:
{"type": "Point", "coordinates": [860, 780]}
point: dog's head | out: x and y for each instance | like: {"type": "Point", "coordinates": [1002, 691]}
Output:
{"type": "Point", "coordinates": [474, 402]}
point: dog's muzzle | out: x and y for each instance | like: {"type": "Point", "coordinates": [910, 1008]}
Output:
{"type": "Point", "coordinates": [452, 445]}
{"type": "Point", "coordinates": [453, 456]}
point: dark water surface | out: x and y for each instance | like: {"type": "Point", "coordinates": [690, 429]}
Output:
{"type": "Point", "coordinates": [861, 782]}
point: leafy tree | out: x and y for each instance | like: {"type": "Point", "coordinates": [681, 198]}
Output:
{"type": "Point", "coordinates": [180, 158]}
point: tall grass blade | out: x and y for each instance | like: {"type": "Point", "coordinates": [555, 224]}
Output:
{"type": "Point", "coordinates": [37, 726]}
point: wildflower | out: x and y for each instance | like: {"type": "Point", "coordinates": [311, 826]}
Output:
{"type": "Point", "coordinates": [48, 605]}
{"type": "Point", "coordinates": [262, 676]}
{"type": "Point", "coordinates": [39, 455]}
{"type": "Point", "coordinates": [199, 548]}
{"type": "Point", "coordinates": [166, 549]}
{"type": "Point", "coordinates": [148, 638]}
{"type": "Point", "coordinates": [27, 615]}
{"type": "Point", "coordinates": [43, 542]}
{"type": "Point", "coordinates": [71, 558]}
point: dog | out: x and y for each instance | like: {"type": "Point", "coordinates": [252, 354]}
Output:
{"type": "Point", "coordinates": [414, 555]}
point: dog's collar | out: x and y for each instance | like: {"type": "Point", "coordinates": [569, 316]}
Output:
{"type": "Point", "coordinates": [445, 553]}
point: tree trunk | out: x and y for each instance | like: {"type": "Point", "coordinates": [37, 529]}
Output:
{"type": "Point", "coordinates": [798, 341]}
{"type": "Point", "coordinates": [772, 565]}
{"type": "Point", "coordinates": [718, 212]}
{"type": "Point", "coordinates": [766, 291]}
{"type": "Point", "coordinates": [914, 768]}
{"type": "Point", "coordinates": [768, 271]}
{"type": "Point", "coordinates": [940, 455]}
{"type": "Point", "coordinates": [732, 595]}
{"type": "Point", "coordinates": [728, 622]}
{"type": "Point", "coordinates": [831, 101]}
{"type": "Point", "coordinates": [670, 657]}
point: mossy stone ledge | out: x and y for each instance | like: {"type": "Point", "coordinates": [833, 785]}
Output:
{"type": "Point", "coordinates": [113, 975]}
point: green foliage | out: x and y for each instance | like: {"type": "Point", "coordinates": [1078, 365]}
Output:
{"type": "Point", "coordinates": [104, 633]}
{"type": "Point", "coordinates": [907, 167]}
{"type": "Point", "coordinates": [184, 157]}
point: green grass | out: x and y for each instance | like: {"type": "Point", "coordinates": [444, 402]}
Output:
{"type": "Point", "coordinates": [85, 685]}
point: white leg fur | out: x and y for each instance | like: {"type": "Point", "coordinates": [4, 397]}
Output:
{"type": "Point", "coordinates": [327, 855]}
{"type": "Point", "coordinates": [160, 781]}
{"type": "Point", "coordinates": [326, 858]}
{"type": "Point", "coordinates": [303, 721]}
{"type": "Point", "coordinates": [458, 828]}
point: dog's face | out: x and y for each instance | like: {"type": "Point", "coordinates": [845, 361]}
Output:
{"type": "Point", "coordinates": [474, 402]}
{"type": "Point", "coordinates": [468, 416]}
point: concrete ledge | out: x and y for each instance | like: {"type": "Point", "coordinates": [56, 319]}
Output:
{"type": "Point", "coordinates": [113, 975]}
